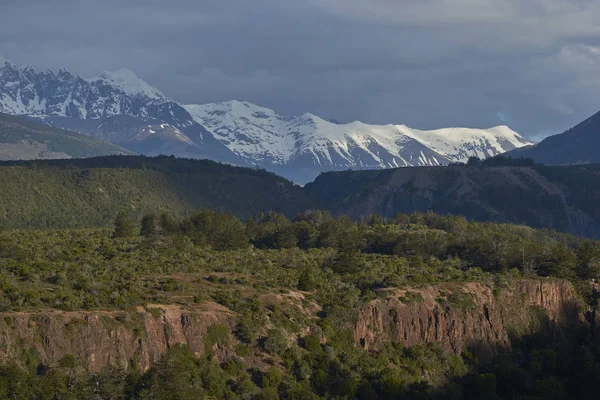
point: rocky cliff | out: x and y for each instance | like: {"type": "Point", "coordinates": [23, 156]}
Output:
{"type": "Point", "coordinates": [98, 339]}
{"type": "Point", "coordinates": [470, 315]}
{"type": "Point", "coordinates": [457, 316]}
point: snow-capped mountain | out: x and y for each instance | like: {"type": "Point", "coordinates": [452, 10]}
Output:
{"type": "Point", "coordinates": [121, 108]}
{"type": "Point", "coordinates": [24, 91]}
{"type": "Point", "coordinates": [120, 100]}
{"type": "Point", "coordinates": [308, 144]}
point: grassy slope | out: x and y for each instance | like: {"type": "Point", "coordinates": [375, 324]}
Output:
{"type": "Point", "coordinates": [24, 139]}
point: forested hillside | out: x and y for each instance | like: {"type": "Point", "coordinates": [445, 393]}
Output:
{"type": "Point", "coordinates": [419, 306]}
{"type": "Point", "coordinates": [578, 145]}
{"type": "Point", "coordinates": [565, 198]}
{"type": "Point", "coordinates": [89, 192]}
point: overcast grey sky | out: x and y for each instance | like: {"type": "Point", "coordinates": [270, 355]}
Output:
{"type": "Point", "coordinates": [533, 64]}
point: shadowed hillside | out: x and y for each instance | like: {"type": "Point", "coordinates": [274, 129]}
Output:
{"type": "Point", "coordinates": [89, 192]}
{"type": "Point", "coordinates": [23, 139]}
{"type": "Point", "coordinates": [563, 198]}
{"type": "Point", "coordinates": [578, 145]}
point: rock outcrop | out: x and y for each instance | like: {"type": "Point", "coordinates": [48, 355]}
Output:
{"type": "Point", "coordinates": [468, 315]}
{"type": "Point", "coordinates": [99, 338]}
{"type": "Point", "coordinates": [458, 316]}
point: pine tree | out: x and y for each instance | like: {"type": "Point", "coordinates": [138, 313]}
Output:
{"type": "Point", "coordinates": [169, 224]}
{"type": "Point", "coordinates": [124, 226]}
{"type": "Point", "coordinates": [306, 280]}
{"type": "Point", "coordinates": [150, 226]}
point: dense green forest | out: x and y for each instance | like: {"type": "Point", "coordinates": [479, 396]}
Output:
{"type": "Point", "coordinates": [88, 193]}
{"type": "Point", "coordinates": [339, 265]}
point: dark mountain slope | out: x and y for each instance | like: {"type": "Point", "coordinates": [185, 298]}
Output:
{"type": "Point", "coordinates": [88, 192]}
{"type": "Point", "coordinates": [22, 139]}
{"type": "Point", "coordinates": [562, 198]}
{"type": "Point", "coordinates": [578, 145]}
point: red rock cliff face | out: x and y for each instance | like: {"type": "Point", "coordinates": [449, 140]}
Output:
{"type": "Point", "coordinates": [98, 339]}
{"type": "Point", "coordinates": [457, 316]}
{"type": "Point", "coordinates": [461, 316]}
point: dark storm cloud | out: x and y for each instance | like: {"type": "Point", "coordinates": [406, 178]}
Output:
{"type": "Point", "coordinates": [533, 64]}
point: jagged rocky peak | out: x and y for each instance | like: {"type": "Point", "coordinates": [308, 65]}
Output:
{"type": "Point", "coordinates": [127, 81]}
{"type": "Point", "coordinates": [309, 142]}
{"type": "Point", "coordinates": [121, 92]}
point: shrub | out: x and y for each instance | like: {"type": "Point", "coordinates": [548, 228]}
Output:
{"type": "Point", "coordinates": [275, 342]}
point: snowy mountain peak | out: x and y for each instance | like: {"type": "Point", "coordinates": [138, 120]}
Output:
{"type": "Point", "coordinates": [48, 93]}
{"type": "Point", "coordinates": [244, 107]}
{"type": "Point", "coordinates": [312, 117]}
{"type": "Point", "coordinates": [259, 136]}
{"type": "Point", "coordinates": [127, 81]}
{"type": "Point", "coordinates": [4, 61]}
{"type": "Point", "coordinates": [233, 109]}
{"type": "Point", "coordinates": [64, 74]}
{"type": "Point", "coordinates": [238, 103]}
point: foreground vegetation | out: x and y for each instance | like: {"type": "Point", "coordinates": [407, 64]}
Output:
{"type": "Point", "coordinates": [336, 264]}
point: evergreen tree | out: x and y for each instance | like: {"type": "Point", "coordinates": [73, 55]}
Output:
{"type": "Point", "coordinates": [306, 280]}
{"type": "Point", "coordinates": [150, 226]}
{"type": "Point", "coordinates": [306, 234]}
{"type": "Point", "coordinates": [286, 238]}
{"type": "Point", "coordinates": [169, 224]}
{"type": "Point", "coordinates": [124, 225]}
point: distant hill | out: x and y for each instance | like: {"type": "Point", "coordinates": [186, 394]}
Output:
{"type": "Point", "coordinates": [578, 145]}
{"type": "Point", "coordinates": [89, 192]}
{"type": "Point", "coordinates": [563, 198]}
{"type": "Point", "coordinates": [23, 139]}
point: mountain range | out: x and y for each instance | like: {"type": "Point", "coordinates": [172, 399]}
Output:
{"type": "Point", "coordinates": [304, 146]}
{"type": "Point", "coordinates": [121, 108]}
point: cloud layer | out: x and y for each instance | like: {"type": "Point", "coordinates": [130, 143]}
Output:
{"type": "Point", "coordinates": [531, 64]}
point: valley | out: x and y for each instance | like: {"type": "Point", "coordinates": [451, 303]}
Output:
{"type": "Point", "coordinates": [322, 200]}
